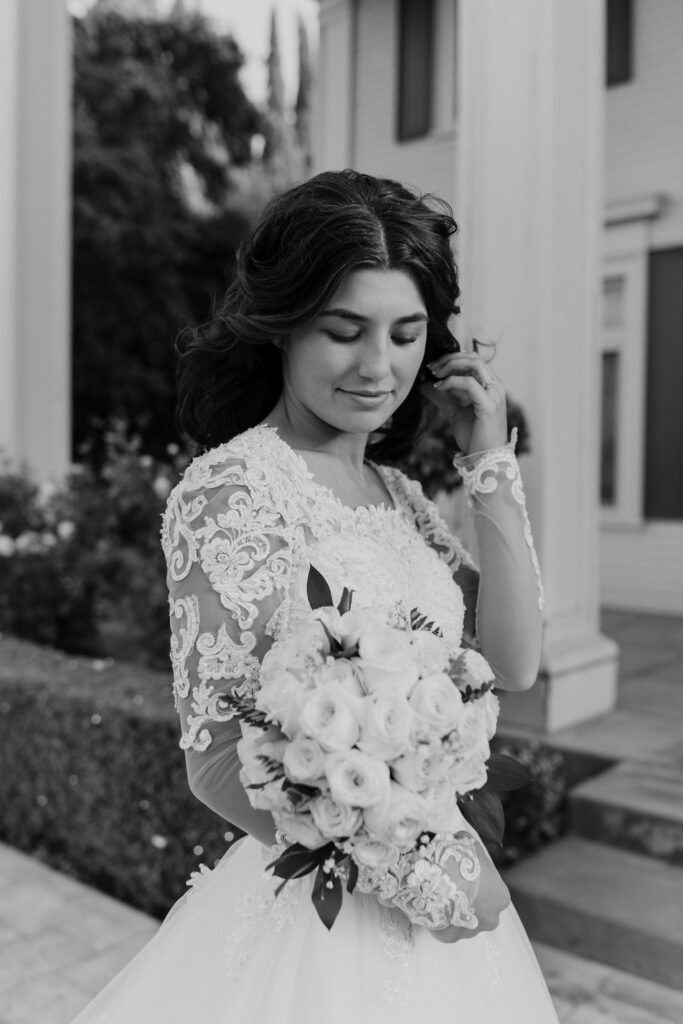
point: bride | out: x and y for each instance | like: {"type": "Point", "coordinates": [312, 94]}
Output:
{"type": "Point", "coordinates": [310, 381]}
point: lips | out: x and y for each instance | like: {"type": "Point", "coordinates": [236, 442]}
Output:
{"type": "Point", "coordinates": [365, 394]}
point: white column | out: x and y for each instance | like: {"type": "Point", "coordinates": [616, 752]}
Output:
{"type": "Point", "coordinates": [35, 199]}
{"type": "Point", "coordinates": [530, 173]}
{"type": "Point", "coordinates": [334, 92]}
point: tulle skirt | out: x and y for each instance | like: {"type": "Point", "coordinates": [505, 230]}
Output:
{"type": "Point", "coordinates": [231, 951]}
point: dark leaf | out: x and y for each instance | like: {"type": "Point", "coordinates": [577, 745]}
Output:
{"type": "Point", "coordinates": [506, 774]}
{"type": "Point", "coordinates": [327, 897]}
{"type": "Point", "coordinates": [317, 589]}
{"type": "Point", "coordinates": [484, 811]}
{"type": "Point", "coordinates": [345, 602]}
{"type": "Point", "coordinates": [419, 621]}
{"type": "Point", "coordinates": [353, 876]}
{"type": "Point", "coordinates": [298, 860]}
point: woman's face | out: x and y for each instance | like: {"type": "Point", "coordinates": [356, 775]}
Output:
{"type": "Point", "coordinates": [354, 364]}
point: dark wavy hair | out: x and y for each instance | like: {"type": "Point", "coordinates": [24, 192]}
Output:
{"type": "Point", "coordinates": [307, 240]}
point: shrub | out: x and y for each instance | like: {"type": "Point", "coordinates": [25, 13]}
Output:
{"type": "Point", "coordinates": [535, 814]}
{"type": "Point", "coordinates": [82, 566]}
{"type": "Point", "coordinates": [92, 779]}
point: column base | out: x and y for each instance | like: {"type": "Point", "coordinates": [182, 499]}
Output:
{"type": "Point", "coordinates": [577, 680]}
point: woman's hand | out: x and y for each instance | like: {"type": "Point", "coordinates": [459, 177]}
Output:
{"type": "Point", "coordinates": [471, 398]}
{"type": "Point", "coordinates": [492, 897]}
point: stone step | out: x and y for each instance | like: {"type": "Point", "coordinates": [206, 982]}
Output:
{"type": "Point", "coordinates": [607, 904]}
{"type": "Point", "coordinates": [635, 805]}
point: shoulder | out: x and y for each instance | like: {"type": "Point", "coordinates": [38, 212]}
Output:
{"type": "Point", "coordinates": [233, 486]}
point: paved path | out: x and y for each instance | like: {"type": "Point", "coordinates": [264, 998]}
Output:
{"type": "Point", "coordinates": [61, 941]}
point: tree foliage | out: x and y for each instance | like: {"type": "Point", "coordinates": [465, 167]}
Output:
{"type": "Point", "coordinates": [160, 121]}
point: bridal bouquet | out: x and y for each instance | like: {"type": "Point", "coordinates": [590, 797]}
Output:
{"type": "Point", "coordinates": [368, 741]}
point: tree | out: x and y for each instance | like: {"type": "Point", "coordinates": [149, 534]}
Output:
{"type": "Point", "coordinates": [303, 98]}
{"type": "Point", "coordinates": [160, 120]}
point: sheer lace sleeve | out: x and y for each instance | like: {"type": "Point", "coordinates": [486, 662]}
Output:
{"type": "Point", "coordinates": [504, 596]}
{"type": "Point", "coordinates": [229, 552]}
{"type": "Point", "coordinates": [510, 604]}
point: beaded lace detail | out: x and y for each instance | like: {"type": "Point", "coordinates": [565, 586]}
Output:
{"type": "Point", "coordinates": [239, 534]}
{"type": "Point", "coordinates": [481, 475]}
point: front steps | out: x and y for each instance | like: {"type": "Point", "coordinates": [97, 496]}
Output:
{"type": "Point", "coordinates": [612, 889]}
{"type": "Point", "coordinates": [604, 903]}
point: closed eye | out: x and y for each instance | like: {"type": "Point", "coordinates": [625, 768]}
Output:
{"type": "Point", "coordinates": [342, 337]}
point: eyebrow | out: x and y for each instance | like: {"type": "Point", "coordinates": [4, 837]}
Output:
{"type": "Point", "coordinates": [348, 314]}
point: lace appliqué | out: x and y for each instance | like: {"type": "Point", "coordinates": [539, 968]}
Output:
{"type": "Point", "coordinates": [182, 642]}
{"type": "Point", "coordinates": [259, 913]}
{"type": "Point", "coordinates": [483, 478]}
{"type": "Point", "coordinates": [398, 943]}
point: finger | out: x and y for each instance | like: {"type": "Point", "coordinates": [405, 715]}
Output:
{"type": "Point", "coordinates": [465, 364]}
{"type": "Point", "coordinates": [477, 392]}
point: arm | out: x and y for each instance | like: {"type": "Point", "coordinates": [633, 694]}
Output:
{"type": "Point", "coordinates": [228, 557]}
{"type": "Point", "coordinates": [510, 600]}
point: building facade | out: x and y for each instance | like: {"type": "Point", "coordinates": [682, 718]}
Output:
{"type": "Point", "coordinates": [406, 68]}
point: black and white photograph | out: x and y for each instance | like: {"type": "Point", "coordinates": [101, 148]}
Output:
{"type": "Point", "coordinates": [341, 512]}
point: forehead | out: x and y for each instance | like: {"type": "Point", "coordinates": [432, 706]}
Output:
{"type": "Point", "coordinates": [376, 292]}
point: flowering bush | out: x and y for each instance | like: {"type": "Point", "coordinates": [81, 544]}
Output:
{"type": "Point", "coordinates": [82, 567]}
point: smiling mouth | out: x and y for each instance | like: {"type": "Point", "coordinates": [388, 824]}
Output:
{"type": "Point", "coordinates": [366, 394]}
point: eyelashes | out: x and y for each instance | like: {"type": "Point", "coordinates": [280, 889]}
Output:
{"type": "Point", "coordinates": [348, 338]}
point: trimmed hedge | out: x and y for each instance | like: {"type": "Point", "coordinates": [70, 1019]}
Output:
{"type": "Point", "coordinates": [92, 780]}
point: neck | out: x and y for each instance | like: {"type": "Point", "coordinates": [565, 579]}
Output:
{"type": "Point", "coordinates": [305, 432]}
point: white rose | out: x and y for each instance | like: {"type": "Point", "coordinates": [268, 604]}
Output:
{"type": "Point", "coordinates": [256, 745]}
{"type": "Point", "coordinates": [332, 716]}
{"type": "Point", "coordinates": [304, 760]}
{"type": "Point", "coordinates": [301, 828]}
{"type": "Point", "coordinates": [430, 651]}
{"type": "Point", "coordinates": [281, 698]}
{"type": "Point", "coordinates": [471, 730]}
{"type": "Point", "coordinates": [297, 655]}
{"type": "Point", "coordinates": [443, 813]}
{"type": "Point", "coordinates": [341, 672]}
{"type": "Point", "coordinates": [387, 661]}
{"type": "Point", "coordinates": [270, 797]}
{"type": "Point", "coordinates": [386, 730]}
{"type": "Point", "coordinates": [398, 819]}
{"type": "Point", "coordinates": [335, 820]}
{"type": "Point", "coordinates": [6, 546]}
{"type": "Point", "coordinates": [437, 701]}
{"type": "Point", "coordinates": [491, 710]}
{"type": "Point", "coordinates": [420, 768]}
{"type": "Point", "coordinates": [66, 529]}
{"type": "Point", "coordinates": [357, 779]}
{"type": "Point", "coordinates": [374, 853]}
{"type": "Point", "coordinates": [471, 668]}
{"type": "Point", "coordinates": [471, 773]}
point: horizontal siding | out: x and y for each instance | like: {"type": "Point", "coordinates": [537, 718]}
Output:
{"type": "Point", "coordinates": [644, 117]}
{"type": "Point", "coordinates": [429, 163]}
{"type": "Point", "coordinates": [643, 569]}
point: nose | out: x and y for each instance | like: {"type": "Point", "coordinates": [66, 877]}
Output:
{"type": "Point", "coordinates": [374, 357]}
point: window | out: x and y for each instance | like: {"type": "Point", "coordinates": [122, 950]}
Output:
{"type": "Point", "coordinates": [415, 68]}
{"type": "Point", "coordinates": [608, 428]}
{"type": "Point", "coordinates": [619, 41]}
{"type": "Point", "coordinates": [664, 408]}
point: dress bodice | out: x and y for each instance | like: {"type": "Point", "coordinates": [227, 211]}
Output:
{"type": "Point", "coordinates": [240, 533]}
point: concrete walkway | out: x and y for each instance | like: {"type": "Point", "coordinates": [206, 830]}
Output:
{"type": "Point", "coordinates": [61, 941]}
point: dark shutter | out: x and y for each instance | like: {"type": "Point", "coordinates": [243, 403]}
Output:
{"type": "Point", "coordinates": [664, 417]}
{"type": "Point", "coordinates": [415, 68]}
{"type": "Point", "coordinates": [619, 41]}
{"type": "Point", "coordinates": [608, 431]}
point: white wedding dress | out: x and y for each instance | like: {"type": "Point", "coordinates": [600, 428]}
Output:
{"type": "Point", "coordinates": [240, 533]}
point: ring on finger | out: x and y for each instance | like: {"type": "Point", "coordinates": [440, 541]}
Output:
{"type": "Point", "coordinates": [487, 384]}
